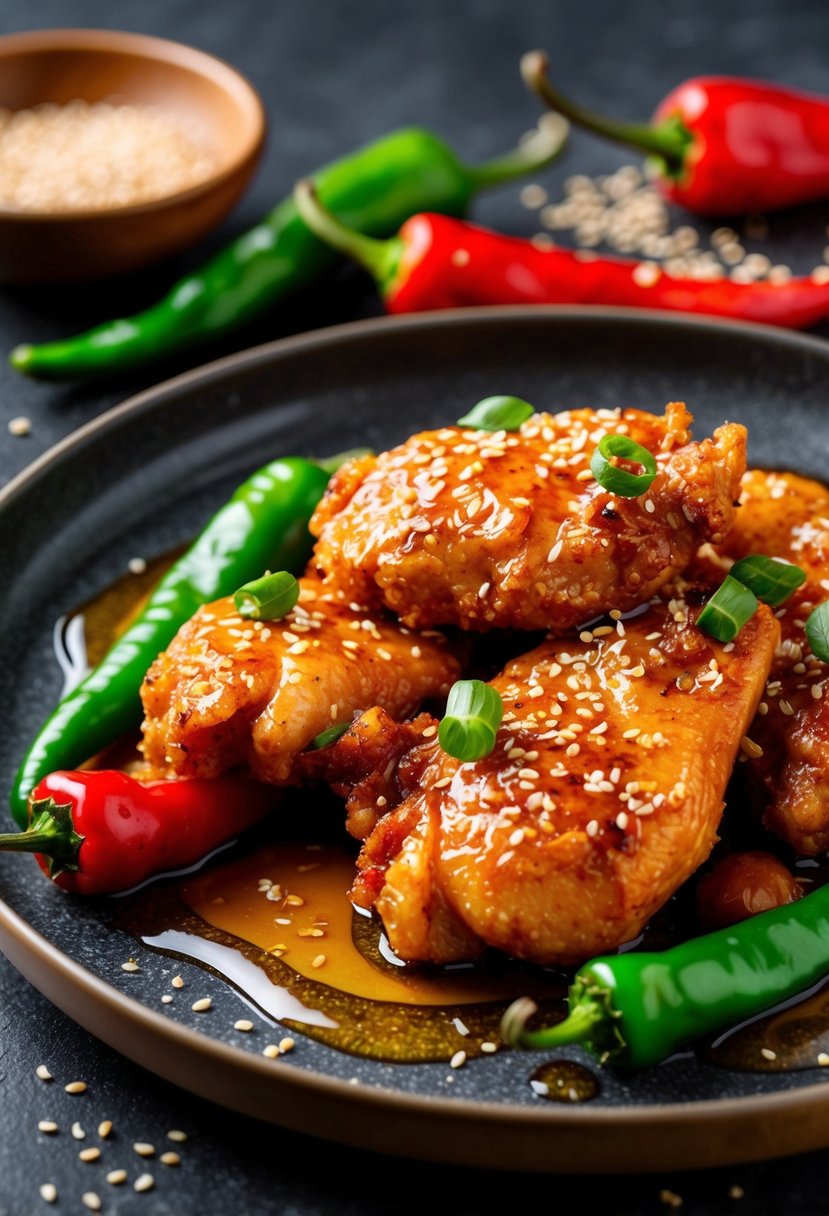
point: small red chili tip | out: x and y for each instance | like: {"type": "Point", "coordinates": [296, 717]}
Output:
{"type": "Point", "coordinates": [99, 832]}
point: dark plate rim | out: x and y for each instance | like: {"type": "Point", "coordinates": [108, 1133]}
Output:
{"type": "Point", "coordinates": [26, 941]}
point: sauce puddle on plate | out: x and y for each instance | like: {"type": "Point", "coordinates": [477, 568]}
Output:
{"type": "Point", "coordinates": [277, 924]}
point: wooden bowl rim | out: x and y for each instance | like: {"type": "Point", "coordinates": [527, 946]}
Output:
{"type": "Point", "coordinates": [165, 50]}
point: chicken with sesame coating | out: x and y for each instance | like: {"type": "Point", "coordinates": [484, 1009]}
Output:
{"type": "Point", "coordinates": [603, 793]}
{"type": "Point", "coordinates": [510, 530]}
{"type": "Point", "coordinates": [231, 692]}
{"type": "Point", "coordinates": [786, 516]}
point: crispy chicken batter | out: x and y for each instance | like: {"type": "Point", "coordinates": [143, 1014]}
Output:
{"type": "Point", "coordinates": [496, 530]}
{"type": "Point", "coordinates": [783, 515]}
{"type": "Point", "coordinates": [230, 691]}
{"type": "Point", "coordinates": [602, 795]}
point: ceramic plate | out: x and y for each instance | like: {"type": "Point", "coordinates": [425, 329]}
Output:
{"type": "Point", "coordinates": [142, 478]}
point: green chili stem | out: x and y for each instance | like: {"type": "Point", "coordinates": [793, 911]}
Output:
{"type": "Point", "coordinates": [51, 833]}
{"type": "Point", "coordinates": [669, 140]}
{"type": "Point", "coordinates": [380, 258]}
{"type": "Point", "coordinates": [578, 1027]}
{"type": "Point", "coordinates": [537, 150]}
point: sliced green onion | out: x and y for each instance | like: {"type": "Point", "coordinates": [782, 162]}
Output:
{"type": "Point", "coordinates": [771, 579]}
{"type": "Point", "coordinates": [727, 611]}
{"type": "Point", "coordinates": [617, 480]}
{"type": "Point", "coordinates": [327, 737]}
{"type": "Point", "coordinates": [473, 715]}
{"type": "Point", "coordinates": [267, 598]}
{"type": "Point", "coordinates": [817, 632]}
{"type": "Point", "coordinates": [498, 414]}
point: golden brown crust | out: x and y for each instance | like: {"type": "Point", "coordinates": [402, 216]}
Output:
{"type": "Point", "coordinates": [503, 530]}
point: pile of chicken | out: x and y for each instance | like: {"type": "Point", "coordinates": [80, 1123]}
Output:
{"type": "Point", "coordinates": [621, 724]}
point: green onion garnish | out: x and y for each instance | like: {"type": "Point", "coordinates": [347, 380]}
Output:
{"type": "Point", "coordinates": [771, 579]}
{"type": "Point", "coordinates": [473, 715]}
{"type": "Point", "coordinates": [618, 480]}
{"type": "Point", "coordinates": [727, 611]}
{"type": "Point", "coordinates": [267, 598]}
{"type": "Point", "coordinates": [498, 414]}
{"type": "Point", "coordinates": [327, 737]}
{"type": "Point", "coordinates": [817, 632]}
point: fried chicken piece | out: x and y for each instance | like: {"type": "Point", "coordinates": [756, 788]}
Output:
{"type": "Point", "coordinates": [783, 515]}
{"type": "Point", "coordinates": [602, 795]}
{"type": "Point", "coordinates": [496, 530]}
{"type": "Point", "coordinates": [230, 691]}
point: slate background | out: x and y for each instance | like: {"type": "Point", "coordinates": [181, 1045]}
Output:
{"type": "Point", "coordinates": [334, 74]}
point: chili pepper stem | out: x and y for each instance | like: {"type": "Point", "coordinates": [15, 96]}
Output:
{"type": "Point", "coordinates": [578, 1027]}
{"type": "Point", "coordinates": [51, 833]}
{"type": "Point", "coordinates": [535, 152]}
{"type": "Point", "coordinates": [380, 258]}
{"type": "Point", "coordinates": [669, 141]}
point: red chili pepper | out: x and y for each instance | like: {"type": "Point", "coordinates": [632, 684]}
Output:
{"type": "Point", "coordinates": [102, 831]}
{"type": "Point", "coordinates": [719, 145]}
{"type": "Point", "coordinates": [436, 262]}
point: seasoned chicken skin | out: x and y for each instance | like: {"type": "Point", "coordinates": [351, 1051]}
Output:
{"type": "Point", "coordinates": [602, 795]}
{"type": "Point", "coordinates": [230, 691]}
{"type": "Point", "coordinates": [783, 515]}
{"type": "Point", "coordinates": [510, 530]}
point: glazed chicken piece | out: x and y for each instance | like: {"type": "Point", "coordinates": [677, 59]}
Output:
{"type": "Point", "coordinates": [509, 530]}
{"type": "Point", "coordinates": [230, 691]}
{"type": "Point", "coordinates": [783, 515]}
{"type": "Point", "coordinates": [602, 795]}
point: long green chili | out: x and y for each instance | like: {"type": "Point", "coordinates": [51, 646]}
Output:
{"type": "Point", "coordinates": [375, 190]}
{"type": "Point", "coordinates": [635, 1009]}
{"type": "Point", "coordinates": [264, 524]}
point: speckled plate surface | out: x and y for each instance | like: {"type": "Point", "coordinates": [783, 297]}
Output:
{"type": "Point", "coordinates": [143, 478]}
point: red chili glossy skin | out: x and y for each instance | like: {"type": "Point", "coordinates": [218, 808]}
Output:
{"type": "Point", "coordinates": [134, 830]}
{"type": "Point", "coordinates": [446, 263]}
{"type": "Point", "coordinates": [756, 146]}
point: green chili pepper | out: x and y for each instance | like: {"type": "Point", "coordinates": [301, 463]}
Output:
{"type": "Point", "coordinates": [375, 190]}
{"type": "Point", "coordinates": [263, 524]}
{"type": "Point", "coordinates": [635, 1009]}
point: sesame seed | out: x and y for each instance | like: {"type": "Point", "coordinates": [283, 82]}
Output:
{"type": "Point", "coordinates": [137, 565]}
{"type": "Point", "coordinates": [48, 1126]}
{"type": "Point", "coordinates": [488, 1048]}
{"type": "Point", "coordinates": [750, 748]}
{"type": "Point", "coordinates": [823, 1059]}
{"type": "Point", "coordinates": [145, 1182]}
{"type": "Point", "coordinates": [48, 1192]}
{"type": "Point", "coordinates": [177, 981]}
{"type": "Point", "coordinates": [166, 999]}
{"type": "Point", "coordinates": [177, 1136]}
{"type": "Point", "coordinates": [271, 1051]}
{"type": "Point", "coordinates": [89, 1154]}
{"type": "Point", "coordinates": [75, 1087]}
{"type": "Point", "coordinates": [285, 1045]}
{"type": "Point", "coordinates": [592, 828]}
{"type": "Point", "coordinates": [319, 961]}
{"type": "Point", "coordinates": [116, 1177]}
{"type": "Point", "coordinates": [458, 1060]}
{"type": "Point", "coordinates": [736, 1192]}
{"type": "Point", "coordinates": [20, 426]}
{"type": "Point", "coordinates": [170, 1159]}
{"type": "Point", "coordinates": [243, 1024]}
{"type": "Point", "coordinates": [92, 1201]}
{"type": "Point", "coordinates": [43, 1073]}
{"type": "Point", "coordinates": [201, 1005]}
{"type": "Point", "coordinates": [670, 1199]}
{"type": "Point", "coordinates": [130, 965]}
{"type": "Point", "coordinates": [105, 1129]}
{"type": "Point", "coordinates": [143, 1149]}
{"type": "Point", "coordinates": [621, 821]}
{"type": "Point", "coordinates": [77, 1132]}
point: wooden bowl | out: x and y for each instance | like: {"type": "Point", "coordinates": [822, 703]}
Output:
{"type": "Point", "coordinates": [59, 66]}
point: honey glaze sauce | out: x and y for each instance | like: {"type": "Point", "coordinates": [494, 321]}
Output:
{"type": "Point", "coordinates": [564, 1081]}
{"type": "Point", "coordinates": [277, 924]}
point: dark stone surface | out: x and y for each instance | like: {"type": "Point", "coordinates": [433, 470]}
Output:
{"type": "Point", "coordinates": [333, 75]}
